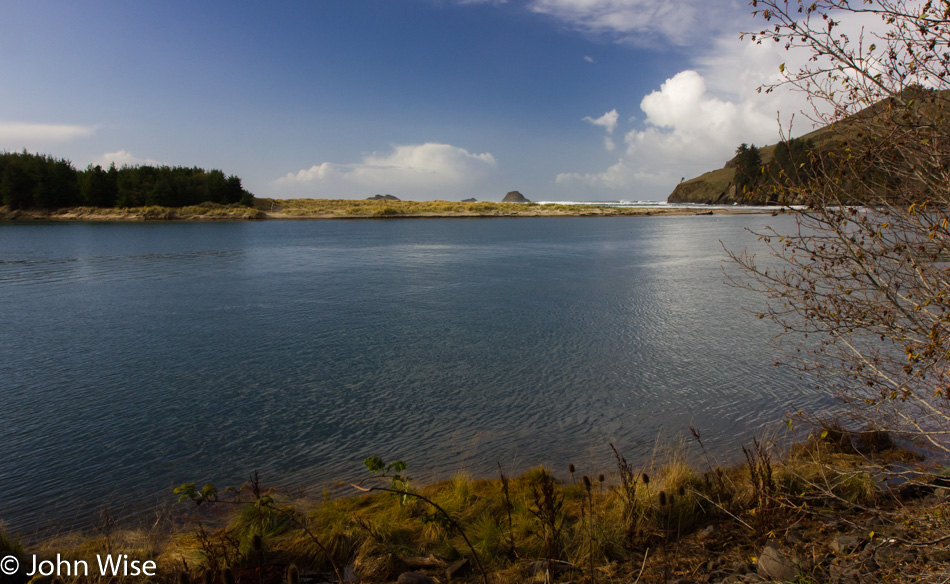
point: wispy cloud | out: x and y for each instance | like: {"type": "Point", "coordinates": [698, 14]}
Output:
{"type": "Point", "coordinates": [15, 135]}
{"type": "Point", "coordinates": [608, 121]}
{"type": "Point", "coordinates": [639, 21]}
{"type": "Point", "coordinates": [410, 171]}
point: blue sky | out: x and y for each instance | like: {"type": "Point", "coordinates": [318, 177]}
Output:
{"type": "Point", "coordinates": [424, 99]}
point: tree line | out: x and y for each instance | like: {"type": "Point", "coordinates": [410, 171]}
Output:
{"type": "Point", "coordinates": [40, 181]}
{"type": "Point", "coordinates": [792, 164]}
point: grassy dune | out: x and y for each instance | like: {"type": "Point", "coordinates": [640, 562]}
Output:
{"type": "Point", "coordinates": [345, 208]}
{"type": "Point", "coordinates": [338, 209]}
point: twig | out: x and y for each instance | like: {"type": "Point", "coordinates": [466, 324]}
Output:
{"type": "Point", "coordinates": [642, 566]}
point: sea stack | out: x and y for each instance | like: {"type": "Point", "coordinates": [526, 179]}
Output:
{"type": "Point", "coordinates": [515, 197]}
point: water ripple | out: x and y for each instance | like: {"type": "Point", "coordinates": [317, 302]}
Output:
{"type": "Point", "coordinates": [137, 357]}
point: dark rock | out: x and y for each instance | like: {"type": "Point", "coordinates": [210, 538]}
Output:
{"type": "Point", "coordinates": [458, 568]}
{"type": "Point", "coordinates": [891, 555]}
{"type": "Point", "coordinates": [776, 565]}
{"type": "Point", "coordinates": [472, 200]}
{"type": "Point", "coordinates": [909, 491]}
{"type": "Point", "coordinates": [794, 537]}
{"type": "Point", "coordinates": [414, 578]}
{"type": "Point", "coordinates": [349, 574]}
{"type": "Point", "coordinates": [741, 567]}
{"type": "Point", "coordinates": [515, 197]}
{"type": "Point", "coordinates": [707, 531]}
{"type": "Point", "coordinates": [872, 441]}
{"type": "Point", "coordinates": [844, 544]}
{"type": "Point", "coordinates": [382, 198]}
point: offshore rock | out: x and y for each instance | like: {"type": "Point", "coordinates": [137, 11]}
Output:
{"type": "Point", "coordinates": [514, 197]}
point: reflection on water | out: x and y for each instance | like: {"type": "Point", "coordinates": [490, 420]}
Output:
{"type": "Point", "coordinates": [136, 357]}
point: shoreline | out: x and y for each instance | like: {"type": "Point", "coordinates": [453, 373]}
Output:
{"type": "Point", "coordinates": [822, 511]}
{"type": "Point", "coordinates": [325, 209]}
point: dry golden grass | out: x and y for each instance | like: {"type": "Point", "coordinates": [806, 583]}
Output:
{"type": "Point", "coordinates": [340, 208]}
{"type": "Point", "coordinates": [381, 537]}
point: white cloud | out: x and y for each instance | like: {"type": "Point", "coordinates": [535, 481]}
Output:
{"type": "Point", "coordinates": [642, 22]}
{"type": "Point", "coordinates": [409, 171]}
{"type": "Point", "coordinates": [608, 121]}
{"type": "Point", "coordinates": [15, 135]}
{"type": "Point", "coordinates": [687, 131]}
{"type": "Point", "coordinates": [123, 158]}
{"type": "Point", "coordinates": [588, 58]}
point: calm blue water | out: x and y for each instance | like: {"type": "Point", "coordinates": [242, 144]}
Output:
{"type": "Point", "coordinates": [135, 357]}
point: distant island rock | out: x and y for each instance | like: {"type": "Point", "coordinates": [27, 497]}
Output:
{"type": "Point", "coordinates": [472, 200]}
{"type": "Point", "coordinates": [515, 197]}
{"type": "Point", "coordinates": [382, 198]}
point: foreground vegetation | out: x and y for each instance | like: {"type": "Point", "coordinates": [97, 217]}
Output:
{"type": "Point", "coordinates": [824, 512]}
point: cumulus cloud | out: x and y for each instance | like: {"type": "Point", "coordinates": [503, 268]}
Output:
{"type": "Point", "coordinates": [123, 158]}
{"type": "Point", "coordinates": [410, 171]}
{"type": "Point", "coordinates": [687, 131]}
{"type": "Point", "coordinates": [588, 58]}
{"type": "Point", "coordinates": [16, 135]}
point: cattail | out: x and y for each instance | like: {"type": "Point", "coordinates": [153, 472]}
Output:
{"type": "Point", "coordinates": [256, 543]}
{"type": "Point", "coordinates": [662, 498]}
{"type": "Point", "coordinates": [587, 482]}
{"type": "Point", "coordinates": [645, 478]}
{"type": "Point", "coordinates": [681, 491]}
{"type": "Point", "coordinates": [672, 499]}
{"type": "Point", "coordinates": [600, 478]}
{"type": "Point", "coordinates": [293, 574]}
{"type": "Point", "coordinates": [227, 576]}
{"type": "Point", "coordinates": [184, 578]}
{"type": "Point", "coordinates": [208, 576]}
